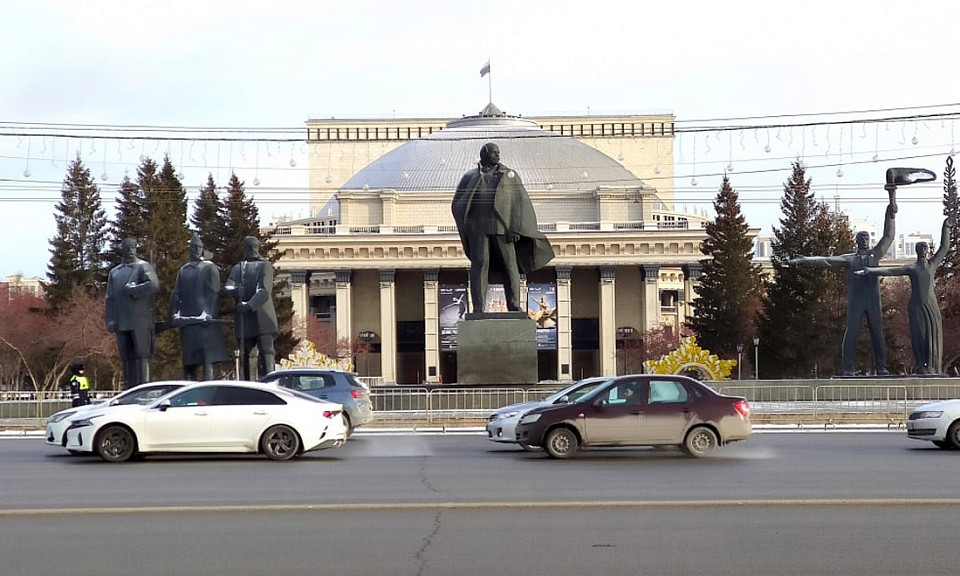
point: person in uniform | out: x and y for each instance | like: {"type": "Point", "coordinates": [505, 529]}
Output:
{"type": "Point", "coordinates": [194, 305]}
{"type": "Point", "coordinates": [79, 386]}
{"type": "Point", "coordinates": [251, 283]}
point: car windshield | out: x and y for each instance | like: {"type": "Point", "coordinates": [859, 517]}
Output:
{"type": "Point", "coordinates": [598, 391]}
{"type": "Point", "coordinates": [576, 391]}
{"type": "Point", "coordinates": [143, 396]}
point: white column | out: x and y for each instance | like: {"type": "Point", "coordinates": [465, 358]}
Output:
{"type": "Point", "coordinates": [651, 296]}
{"type": "Point", "coordinates": [608, 321]}
{"type": "Point", "coordinates": [300, 299]}
{"type": "Point", "coordinates": [344, 305]}
{"type": "Point", "coordinates": [431, 324]}
{"type": "Point", "coordinates": [564, 330]}
{"type": "Point", "coordinates": [388, 326]}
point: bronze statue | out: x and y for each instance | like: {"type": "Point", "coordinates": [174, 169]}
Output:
{"type": "Point", "coordinates": [863, 291]}
{"type": "Point", "coordinates": [131, 291]}
{"type": "Point", "coordinates": [194, 305]}
{"type": "Point", "coordinates": [926, 323]}
{"type": "Point", "coordinates": [497, 225]}
{"type": "Point", "coordinates": [250, 283]}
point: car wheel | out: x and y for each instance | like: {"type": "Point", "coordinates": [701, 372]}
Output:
{"type": "Point", "coordinates": [953, 435]}
{"type": "Point", "coordinates": [699, 441]}
{"type": "Point", "coordinates": [115, 444]}
{"type": "Point", "coordinates": [347, 424]}
{"type": "Point", "coordinates": [561, 443]}
{"type": "Point", "coordinates": [946, 445]}
{"type": "Point", "coordinates": [280, 442]}
{"type": "Point", "coordinates": [529, 448]}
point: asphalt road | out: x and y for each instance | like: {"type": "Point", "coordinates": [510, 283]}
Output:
{"type": "Point", "coordinates": [805, 503]}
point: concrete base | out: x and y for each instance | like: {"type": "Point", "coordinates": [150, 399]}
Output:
{"type": "Point", "coordinates": [497, 351]}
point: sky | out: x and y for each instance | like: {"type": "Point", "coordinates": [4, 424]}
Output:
{"type": "Point", "coordinates": [864, 79]}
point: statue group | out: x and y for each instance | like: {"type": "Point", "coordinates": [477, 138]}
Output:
{"type": "Point", "coordinates": [132, 286]}
{"type": "Point", "coordinates": [863, 287]}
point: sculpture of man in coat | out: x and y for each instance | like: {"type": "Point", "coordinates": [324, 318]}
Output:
{"type": "Point", "coordinates": [132, 287]}
{"type": "Point", "coordinates": [498, 226]}
{"type": "Point", "coordinates": [194, 305]}
{"type": "Point", "coordinates": [251, 283]}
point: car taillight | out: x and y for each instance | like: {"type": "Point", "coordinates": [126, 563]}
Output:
{"type": "Point", "coordinates": [357, 394]}
{"type": "Point", "coordinates": [331, 413]}
{"type": "Point", "coordinates": [743, 407]}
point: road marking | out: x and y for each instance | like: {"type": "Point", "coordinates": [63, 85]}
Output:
{"type": "Point", "coordinates": [453, 506]}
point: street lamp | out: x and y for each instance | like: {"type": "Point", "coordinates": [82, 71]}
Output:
{"type": "Point", "coordinates": [756, 356]}
{"type": "Point", "coordinates": [739, 359]}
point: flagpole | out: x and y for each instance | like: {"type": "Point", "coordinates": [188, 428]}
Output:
{"type": "Point", "coordinates": [490, 87]}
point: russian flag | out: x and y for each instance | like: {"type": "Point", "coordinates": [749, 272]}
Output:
{"type": "Point", "coordinates": [485, 70]}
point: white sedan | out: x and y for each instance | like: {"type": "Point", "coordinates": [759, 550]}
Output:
{"type": "Point", "coordinates": [139, 395]}
{"type": "Point", "coordinates": [938, 422]}
{"type": "Point", "coordinates": [224, 416]}
{"type": "Point", "coordinates": [502, 424]}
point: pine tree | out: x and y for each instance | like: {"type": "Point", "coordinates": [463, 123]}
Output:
{"type": "Point", "coordinates": [207, 209]}
{"type": "Point", "coordinates": [129, 219]}
{"type": "Point", "coordinates": [950, 267]}
{"type": "Point", "coordinates": [790, 323]}
{"type": "Point", "coordinates": [77, 251]}
{"type": "Point", "coordinates": [730, 287]}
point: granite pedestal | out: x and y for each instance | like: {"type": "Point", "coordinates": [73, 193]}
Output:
{"type": "Point", "coordinates": [497, 348]}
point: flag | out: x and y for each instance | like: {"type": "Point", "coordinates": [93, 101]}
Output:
{"type": "Point", "coordinates": [485, 70]}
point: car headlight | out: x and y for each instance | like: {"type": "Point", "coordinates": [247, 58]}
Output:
{"type": "Point", "coordinates": [503, 415]}
{"type": "Point", "coordinates": [926, 414]}
{"type": "Point", "coordinates": [529, 418]}
{"type": "Point", "coordinates": [83, 422]}
{"type": "Point", "coordinates": [61, 416]}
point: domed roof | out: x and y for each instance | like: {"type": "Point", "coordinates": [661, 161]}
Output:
{"type": "Point", "coordinates": [543, 159]}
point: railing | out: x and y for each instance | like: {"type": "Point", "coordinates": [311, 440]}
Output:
{"type": "Point", "coordinates": [780, 404]}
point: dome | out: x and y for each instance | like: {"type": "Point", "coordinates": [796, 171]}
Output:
{"type": "Point", "coordinates": [543, 159]}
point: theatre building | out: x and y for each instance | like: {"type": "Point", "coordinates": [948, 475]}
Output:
{"type": "Point", "coordinates": [381, 259]}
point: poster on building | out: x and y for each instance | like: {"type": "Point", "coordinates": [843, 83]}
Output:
{"type": "Point", "coordinates": [453, 307]}
{"type": "Point", "coordinates": [542, 309]}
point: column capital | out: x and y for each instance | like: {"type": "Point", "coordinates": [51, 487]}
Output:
{"type": "Point", "coordinates": [298, 277]}
{"type": "Point", "coordinates": [387, 276]}
{"type": "Point", "coordinates": [431, 275]}
{"type": "Point", "coordinates": [343, 276]}
{"type": "Point", "coordinates": [651, 273]}
{"type": "Point", "coordinates": [563, 273]}
{"type": "Point", "coordinates": [693, 271]}
{"type": "Point", "coordinates": [608, 273]}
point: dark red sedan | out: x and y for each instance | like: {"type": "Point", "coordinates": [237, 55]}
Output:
{"type": "Point", "coordinates": [640, 410]}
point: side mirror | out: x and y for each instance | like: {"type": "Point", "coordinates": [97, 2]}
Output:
{"type": "Point", "coordinates": [164, 405]}
{"type": "Point", "coordinates": [563, 399]}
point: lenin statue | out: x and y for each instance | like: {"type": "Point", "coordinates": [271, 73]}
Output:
{"type": "Point", "coordinates": [498, 228]}
{"type": "Point", "coordinates": [132, 287]}
{"type": "Point", "coordinates": [194, 305]}
{"type": "Point", "coordinates": [251, 283]}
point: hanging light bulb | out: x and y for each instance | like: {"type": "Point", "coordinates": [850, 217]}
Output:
{"type": "Point", "coordinates": [953, 151]}
{"type": "Point", "coordinates": [256, 181]}
{"type": "Point", "coordinates": [875, 157]}
{"type": "Point", "coordinates": [839, 172]}
{"type": "Point", "coordinates": [27, 173]}
{"type": "Point", "coordinates": [293, 162]}
{"type": "Point", "coordinates": [656, 169]}
{"type": "Point", "coordinates": [693, 181]}
{"type": "Point", "coordinates": [619, 157]}
{"type": "Point", "coordinates": [328, 179]}
{"type": "Point", "coordinates": [730, 167]}
{"type": "Point", "coordinates": [104, 176]}
{"type": "Point", "coordinates": [914, 140]}
{"type": "Point", "coordinates": [584, 175]}
{"type": "Point", "coordinates": [767, 148]}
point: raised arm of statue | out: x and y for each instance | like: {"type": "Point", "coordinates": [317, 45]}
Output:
{"type": "Point", "coordinates": [820, 261]}
{"type": "Point", "coordinates": [945, 232]}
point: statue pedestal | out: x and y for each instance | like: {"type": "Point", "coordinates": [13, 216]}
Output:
{"type": "Point", "coordinates": [497, 349]}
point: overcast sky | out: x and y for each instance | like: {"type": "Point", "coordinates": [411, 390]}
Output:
{"type": "Point", "coordinates": [247, 65]}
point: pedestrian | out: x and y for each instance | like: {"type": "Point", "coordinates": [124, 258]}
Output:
{"type": "Point", "coordinates": [79, 386]}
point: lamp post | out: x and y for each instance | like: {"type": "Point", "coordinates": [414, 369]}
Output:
{"type": "Point", "coordinates": [756, 356]}
{"type": "Point", "coordinates": [739, 359]}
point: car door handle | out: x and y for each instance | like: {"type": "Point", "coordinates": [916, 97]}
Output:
{"type": "Point", "coordinates": [636, 411]}
{"type": "Point", "coordinates": [199, 413]}
{"type": "Point", "coordinates": [259, 412]}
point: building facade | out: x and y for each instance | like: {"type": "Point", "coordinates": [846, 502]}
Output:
{"type": "Point", "coordinates": [380, 257]}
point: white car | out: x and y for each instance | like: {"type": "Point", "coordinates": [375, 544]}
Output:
{"type": "Point", "coordinates": [502, 424]}
{"type": "Point", "coordinates": [222, 416]}
{"type": "Point", "coordinates": [938, 422]}
{"type": "Point", "coordinates": [138, 395]}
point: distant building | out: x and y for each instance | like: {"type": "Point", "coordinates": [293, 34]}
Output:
{"type": "Point", "coordinates": [19, 284]}
{"type": "Point", "coordinates": [381, 260]}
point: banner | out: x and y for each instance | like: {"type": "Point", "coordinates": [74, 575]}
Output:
{"type": "Point", "coordinates": [542, 309]}
{"type": "Point", "coordinates": [453, 307]}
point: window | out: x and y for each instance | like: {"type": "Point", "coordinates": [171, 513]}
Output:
{"type": "Point", "coordinates": [202, 396]}
{"type": "Point", "coordinates": [239, 396]}
{"type": "Point", "coordinates": [667, 392]}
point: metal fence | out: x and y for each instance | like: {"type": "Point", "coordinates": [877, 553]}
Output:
{"type": "Point", "coordinates": [775, 404]}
